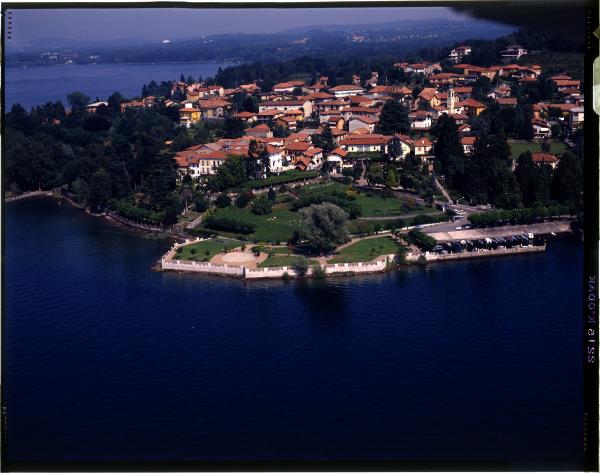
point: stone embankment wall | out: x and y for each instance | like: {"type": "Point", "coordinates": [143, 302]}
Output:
{"type": "Point", "coordinates": [380, 265]}
{"type": "Point", "coordinates": [168, 263]}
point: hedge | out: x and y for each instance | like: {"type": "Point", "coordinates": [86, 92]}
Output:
{"type": "Point", "coordinates": [283, 178]}
{"type": "Point", "coordinates": [229, 225]}
{"type": "Point", "coordinates": [526, 215]}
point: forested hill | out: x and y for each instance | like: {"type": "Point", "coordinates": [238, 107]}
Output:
{"type": "Point", "coordinates": [358, 41]}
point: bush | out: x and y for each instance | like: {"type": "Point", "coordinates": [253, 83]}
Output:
{"type": "Point", "coordinates": [229, 225]}
{"type": "Point", "coordinates": [244, 199]}
{"type": "Point", "coordinates": [420, 240]}
{"type": "Point", "coordinates": [262, 206]}
{"type": "Point", "coordinates": [200, 232]}
{"type": "Point", "coordinates": [300, 266]}
{"type": "Point", "coordinates": [135, 213]}
{"type": "Point", "coordinates": [201, 204]}
{"type": "Point", "coordinates": [422, 219]}
{"type": "Point", "coordinates": [318, 272]}
{"type": "Point", "coordinates": [223, 201]}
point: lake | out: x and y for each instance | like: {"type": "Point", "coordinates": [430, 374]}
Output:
{"type": "Point", "coordinates": [38, 85]}
{"type": "Point", "coordinates": [105, 359]}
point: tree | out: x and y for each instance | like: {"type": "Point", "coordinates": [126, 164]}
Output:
{"type": "Point", "coordinates": [567, 184]}
{"type": "Point", "coordinates": [271, 195]}
{"type": "Point", "coordinates": [393, 118]}
{"type": "Point", "coordinates": [324, 226]}
{"type": "Point", "coordinates": [448, 151]}
{"type": "Point", "coordinates": [114, 103]}
{"type": "Point", "coordinates": [395, 148]}
{"type": "Point", "coordinates": [300, 266]}
{"type": "Point", "coordinates": [81, 190]}
{"type": "Point", "coordinates": [391, 177]}
{"type": "Point", "coordinates": [525, 174]}
{"type": "Point", "coordinates": [100, 190]}
{"type": "Point", "coordinates": [223, 201]}
{"type": "Point", "coordinates": [244, 199]}
{"type": "Point", "coordinates": [160, 181]}
{"type": "Point", "coordinates": [324, 140]}
{"type": "Point", "coordinates": [262, 206]}
{"type": "Point", "coordinates": [78, 101]}
{"type": "Point", "coordinates": [526, 131]}
{"type": "Point", "coordinates": [374, 174]}
{"type": "Point", "coordinates": [201, 205]}
{"type": "Point", "coordinates": [233, 128]}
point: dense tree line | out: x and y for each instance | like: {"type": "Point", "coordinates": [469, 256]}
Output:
{"type": "Point", "coordinates": [95, 156]}
{"type": "Point", "coordinates": [486, 175]}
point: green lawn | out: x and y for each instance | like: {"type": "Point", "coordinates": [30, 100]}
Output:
{"type": "Point", "coordinates": [198, 251]}
{"type": "Point", "coordinates": [283, 260]}
{"type": "Point", "coordinates": [366, 250]}
{"type": "Point", "coordinates": [372, 205]}
{"type": "Point", "coordinates": [519, 147]}
{"type": "Point", "coordinates": [276, 227]}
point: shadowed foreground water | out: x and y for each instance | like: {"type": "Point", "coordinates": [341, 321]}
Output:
{"type": "Point", "coordinates": [106, 359]}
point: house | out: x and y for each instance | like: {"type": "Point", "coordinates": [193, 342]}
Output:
{"type": "Point", "coordinates": [576, 118]}
{"type": "Point", "coordinates": [260, 131]}
{"type": "Point", "coordinates": [275, 159]}
{"type": "Point", "coordinates": [472, 107]}
{"type": "Point", "coordinates": [420, 120]}
{"type": "Point", "coordinates": [249, 88]}
{"type": "Point", "coordinates": [464, 129]}
{"type": "Point", "coordinates": [246, 117]}
{"type": "Point", "coordinates": [457, 54]}
{"type": "Point", "coordinates": [149, 100]}
{"type": "Point", "coordinates": [541, 159]}
{"type": "Point", "coordinates": [541, 129]}
{"type": "Point", "coordinates": [506, 101]}
{"type": "Point", "coordinates": [330, 107]}
{"type": "Point", "coordinates": [293, 150]}
{"type": "Point", "coordinates": [287, 86]}
{"type": "Point", "coordinates": [269, 116]}
{"type": "Point", "coordinates": [406, 143]}
{"type": "Point", "coordinates": [567, 84]}
{"type": "Point", "coordinates": [341, 91]}
{"type": "Point", "coordinates": [365, 143]}
{"type": "Point", "coordinates": [189, 115]}
{"type": "Point", "coordinates": [200, 164]}
{"type": "Point", "coordinates": [363, 122]}
{"type": "Point", "coordinates": [336, 160]}
{"type": "Point", "coordinates": [213, 108]}
{"type": "Point", "coordinates": [513, 53]}
{"type": "Point", "coordinates": [286, 105]}
{"type": "Point", "coordinates": [335, 121]}
{"type": "Point", "coordinates": [443, 78]}
{"type": "Point", "coordinates": [289, 123]}
{"type": "Point", "coordinates": [417, 68]}
{"type": "Point", "coordinates": [93, 107]}
{"type": "Point", "coordinates": [131, 104]}
{"type": "Point", "coordinates": [422, 146]}
{"type": "Point", "coordinates": [467, 143]}
{"type": "Point", "coordinates": [316, 157]}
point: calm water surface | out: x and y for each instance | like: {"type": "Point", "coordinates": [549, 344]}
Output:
{"type": "Point", "coordinates": [106, 359]}
{"type": "Point", "coordinates": [38, 85]}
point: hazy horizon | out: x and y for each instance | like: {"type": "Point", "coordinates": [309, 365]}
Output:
{"type": "Point", "coordinates": [155, 24]}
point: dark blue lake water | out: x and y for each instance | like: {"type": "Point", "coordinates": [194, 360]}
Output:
{"type": "Point", "coordinates": [38, 85]}
{"type": "Point", "coordinates": [106, 359]}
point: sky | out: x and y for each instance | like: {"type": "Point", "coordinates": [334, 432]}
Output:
{"type": "Point", "coordinates": [172, 23]}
